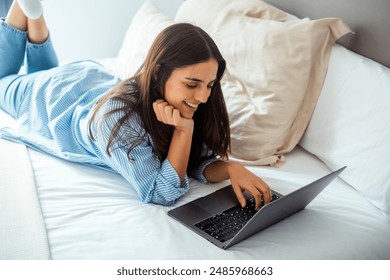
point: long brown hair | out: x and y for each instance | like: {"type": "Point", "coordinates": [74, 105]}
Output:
{"type": "Point", "coordinates": [176, 46]}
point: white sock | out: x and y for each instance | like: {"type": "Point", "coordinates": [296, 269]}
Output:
{"type": "Point", "coordinates": [31, 8]}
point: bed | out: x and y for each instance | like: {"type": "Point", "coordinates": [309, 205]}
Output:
{"type": "Point", "coordinates": [53, 209]}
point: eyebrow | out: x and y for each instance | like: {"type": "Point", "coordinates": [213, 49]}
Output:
{"type": "Point", "coordinates": [198, 80]}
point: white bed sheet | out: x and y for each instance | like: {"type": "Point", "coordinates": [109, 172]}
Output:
{"type": "Point", "coordinates": [93, 214]}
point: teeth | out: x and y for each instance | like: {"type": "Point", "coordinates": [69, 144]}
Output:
{"type": "Point", "coordinates": [191, 104]}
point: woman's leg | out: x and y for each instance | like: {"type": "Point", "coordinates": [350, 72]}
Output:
{"type": "Point", "coordinates": [13, 38]}
{"type": "Point", "coordinates": [14, 47]}
{"type": "Point", "coordinates": [31, 8]}
{"type": "Point", "coordinates": [37, 30]}
{"type": "Point", "coordinates": [16, 17]}
{"type": "Point", "coordinates": [40, 53]}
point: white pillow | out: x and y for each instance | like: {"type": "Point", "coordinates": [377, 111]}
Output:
{"type": "Point", "coordinates": [147, 23]}
{"type": "Point", "coordinates": [351, 124]}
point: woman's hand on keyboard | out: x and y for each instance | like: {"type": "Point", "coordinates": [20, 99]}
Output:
{"type": "Point", "coordinates": [242, 179]}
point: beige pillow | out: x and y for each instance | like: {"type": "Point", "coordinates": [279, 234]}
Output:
{"type": "Point", "coordinates": [275, 74]}
{"type": "Point", "coordinates": [147, 23]}
{"type": "Point", "coordinates": [203, 12]}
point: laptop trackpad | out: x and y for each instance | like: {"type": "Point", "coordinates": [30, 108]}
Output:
{"type": "Point", "coordinates": [217, 201]}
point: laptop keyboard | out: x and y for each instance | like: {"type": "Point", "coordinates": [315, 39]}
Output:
{"type": "Point", "coordinates": [227, 224]}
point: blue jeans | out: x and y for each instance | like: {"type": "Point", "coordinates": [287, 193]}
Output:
{"type": "Point", "coordinates": [14, 50]}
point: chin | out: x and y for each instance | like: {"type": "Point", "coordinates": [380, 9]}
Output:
{"type": "Point", "coordinates": [188, 115]}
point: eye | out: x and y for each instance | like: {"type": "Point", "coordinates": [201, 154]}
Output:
{"type": "Point", "coordinates": [191, 85]}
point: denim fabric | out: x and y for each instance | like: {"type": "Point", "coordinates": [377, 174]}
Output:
{"type": "Point", "coordinates": [14, 46]}
{"type": "Point", "coordinates": [4, 7]}
{"type": "Point", "coordinates": [40, 56]}
{"type": "Point", "coordinates": [14, 50]}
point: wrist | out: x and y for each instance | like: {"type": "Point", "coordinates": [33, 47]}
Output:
{"type": "Point", "coordinates": [219, 171]}
{"type": "Point", "coordinates": [231, 166]}
{"type": "Point", "coordinates": [187, 129]}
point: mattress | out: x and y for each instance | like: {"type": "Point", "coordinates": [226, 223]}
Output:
{"type": "Point", "coordinates": [22, 229]}
{"type": "Point", "coordinates": [93, 214]}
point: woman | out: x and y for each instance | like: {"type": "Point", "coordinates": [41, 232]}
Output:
{"type": "Point", "coordinates": [167, 121]}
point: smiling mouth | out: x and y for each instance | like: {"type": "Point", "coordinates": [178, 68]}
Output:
{"type": "Point", "coordinates": [191, 105]}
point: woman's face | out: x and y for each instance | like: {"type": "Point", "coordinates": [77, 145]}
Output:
{"type": "Point", "coordinates": [190, 86]}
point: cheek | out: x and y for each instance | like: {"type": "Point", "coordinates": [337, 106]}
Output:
{"type": "Point", "coordinates": [174, 93]}
{"type": "Point", "coordinates": [168, 89]}
{"type": "Point", "coordinates": [169, 92]}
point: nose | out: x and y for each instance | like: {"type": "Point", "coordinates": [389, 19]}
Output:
{"type": "Point", "coordinates": [203, 95]}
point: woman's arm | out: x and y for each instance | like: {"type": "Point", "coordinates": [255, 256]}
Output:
{"type": "Point", "coordinates": [179, 151]}
{"type": "Point", "coordinates": [180, 147]}
{"type": "Point", "coordinates": [154, 181]}
{"type": "Point", "coordinates": [241, 179]}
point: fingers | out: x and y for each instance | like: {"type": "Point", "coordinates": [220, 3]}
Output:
{"type": "Point", "coordinates": [164, 111]}
{"type": "Point", "coordinates": [257, 195]}
{"type": "Point", "coordinates": [266, 192]}
{"type": "Point", "coordinates": [240, 196]}
{"type": "Point", "coordinates": [258, 189]}
{"type": "Point", "coordinates": [170, 115]}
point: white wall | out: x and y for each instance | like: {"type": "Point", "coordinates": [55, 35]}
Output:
{"type": "Point", "coordinates": [83, 29]}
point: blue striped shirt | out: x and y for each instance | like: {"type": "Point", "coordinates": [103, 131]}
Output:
{"type": "Point", "coordinates": [53, 118]}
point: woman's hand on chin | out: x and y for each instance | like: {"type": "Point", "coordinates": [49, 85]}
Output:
{"type": "Point", "coordinates": [167, 114]}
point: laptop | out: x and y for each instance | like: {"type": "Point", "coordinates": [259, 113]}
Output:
{"type": "Point", "coordinates": [219, 218]}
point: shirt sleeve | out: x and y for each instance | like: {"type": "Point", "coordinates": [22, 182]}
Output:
{"type": "Point", "coordinates": [198, 173]}
{"type": "Point", "coordinates": [155, 181]}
